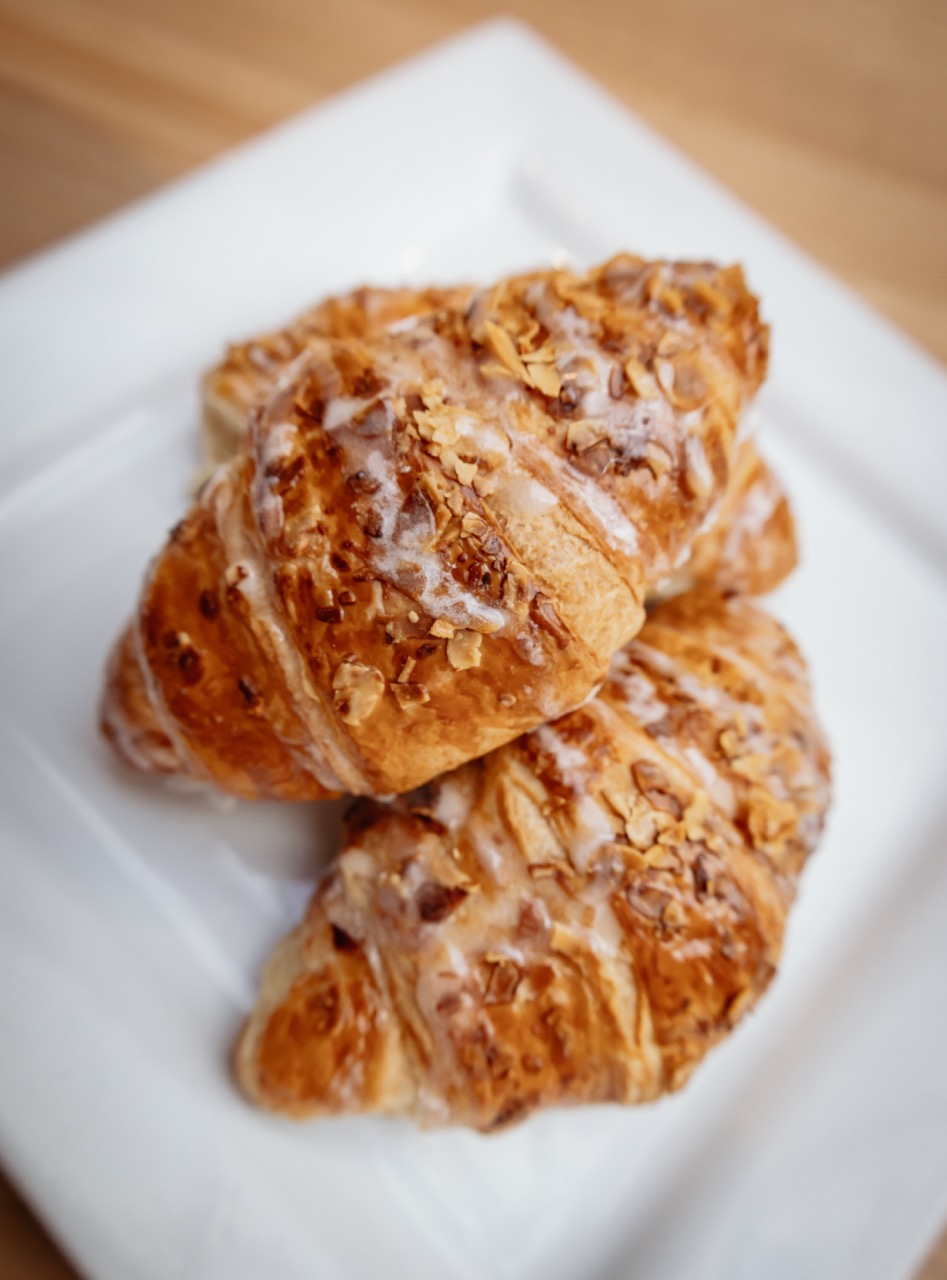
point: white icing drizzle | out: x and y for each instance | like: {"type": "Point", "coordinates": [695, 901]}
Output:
{"type": "Point", "coordinates": [637, 691]}
{"type": "Point", "coordinates": [718, 787]}
{"type": "Point", "coordinates": [570, 761]}
{"type": "Point", "coordinates": [591, 828]}
{"type": "Point", "coordinates": [340, 410]}
{"type": "Point", "coordinates": [278, 442]}
{"type": "Point", "coordinates": [452, 804]}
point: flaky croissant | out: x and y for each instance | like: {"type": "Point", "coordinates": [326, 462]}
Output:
{"type": "Point", "coordinates": [440, 533]}
{"type": "Point", "coordinates": [579, 916]}
{"type": "Point", "coordinates": [749, 547]}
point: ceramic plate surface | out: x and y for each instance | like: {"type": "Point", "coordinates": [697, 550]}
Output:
{"type": "Point", "coordinates": [134, 921]}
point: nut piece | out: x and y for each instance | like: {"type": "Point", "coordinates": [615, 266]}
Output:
{"type": "Point", "coordinates": [641, 380]}
{"type": "Point", "coordinates": [658, 459]}
{"type": "Point", "coordinates": [357, 690]}
{"type": "Point", "coordinates": [410, 695]}
{"type": "Point", "coordinates": [545, 378]}
{"type": "Point", "coordinates": [565, 940]}
{"type": "Point", "coordinates": [463, 650]}
{"type": "Point", "coordinates": [641, 828]}
{"type": "Point", "coordinates": [584, 434]}
{"type": "Point", "coordinates": [465, 472]}
{"type": "Point", "coordinates": [698, 475]}
{"type": "Point", "coordinates": [504, 350]}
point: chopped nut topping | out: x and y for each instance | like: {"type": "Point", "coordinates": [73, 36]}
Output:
{"type": "Point", "coordinates": [675, 914]}
{"type": "Point", "coordinates": [208, 605]}
{"type": "Point", "coordinates": [376, 604]}
{"type": "Point", "coordinates": [357, 690]}
{"type": "Point", "coordinates": [695, 815]}
{"type": "Point", "coordinates": [436, 426]}
{"type": "Point", "coordinates": [503, 978]}
{"type": "Point", "coordinates": [437, 901]}
{"type": "Point", "coordinates": [698, 477]}
{"type": "Point", "coordinates": [682, 381]}
{"type": "Point", "coordinates": [441, 628]}
{"type": "Point", "coordinates": [545, 355]}
{"type": "Point", "coordinates": [404, 675]}
{"type": "Point", "coordinates": [662, 857]}
{"type": "Point", "coordinates": [463, 650]}
{"type": "Point", "coordinates": [493, 370]}
{"type": "Point", "coordinates": [658, 459]}
{"type": "Point", "coordinates": [545, 378]}
{"type": "Point", "coordinates": [648, 902]}
{"type": "Point", "coordinates": [671, 299]}
{"type": "Point", "coordinates": [525, 340]}
{"type": "Point", "coordinates": [711, 297]}
{"type": "Point", "coordinates": [617, 802]}
{"type": "Point", "coordinates": [641, 828]}
{"type": "Point", "coordinates": [670, 343]}
{"type": "Point", "coordinates": [654, 785]}
{"type": "Point", "coordinates": [504, 349]}
{"type": "Point", "coordinates": [584, 434]}
{"type": "Point", "coordinates": [454, 466]}
{"type": "Point", "coordinates": [543, 870]}
{"type": "Point", "coordinates": [432, 393]}
{"type": "Point", "coordinates": [770, 821]}
{"type": "Point", "coordinates": [641, 380]}
{"type": "Point", "coordinates": [474, 524]}
{"type": "Point", "coordinates": [515, 588]}
{"type": "Point", "coordinates": [410, 695]}
{"type": "Point", "coordinates": [455, 502]}
{"type": "Point", "coordinates": [564, 939]}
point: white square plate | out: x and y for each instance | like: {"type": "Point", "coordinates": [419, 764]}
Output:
{"type": "Point", "coordinates": [133, 922]}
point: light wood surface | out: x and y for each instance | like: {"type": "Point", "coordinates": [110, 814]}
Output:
{"type": "Point", "coordinates": [828, 116]}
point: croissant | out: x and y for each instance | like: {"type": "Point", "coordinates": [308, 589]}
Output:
{"type": "Point", "coordinates": [749, 547]}
{"type": "Point", "coordinates": [443, 529]}
{"type": "Point", "coordinates": [579, 916]}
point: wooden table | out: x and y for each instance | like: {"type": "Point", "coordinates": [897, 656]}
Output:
{"type": "Point", "coordinates": [829, 116]}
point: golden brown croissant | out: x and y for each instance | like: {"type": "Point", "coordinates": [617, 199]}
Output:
{"type": "Point", "coordinates": [439, 534]}
{"type": "Point", "coordinates": [749, 547]}
{"type": "Point", "coordinates": [579, 916]}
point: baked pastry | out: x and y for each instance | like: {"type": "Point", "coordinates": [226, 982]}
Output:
{"type": "Point", "coordinates": [749, 546]}
{"type": "Point", "coordinates": [579, 916]}
{"type": "Point", "coordinates": [439, 533]}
